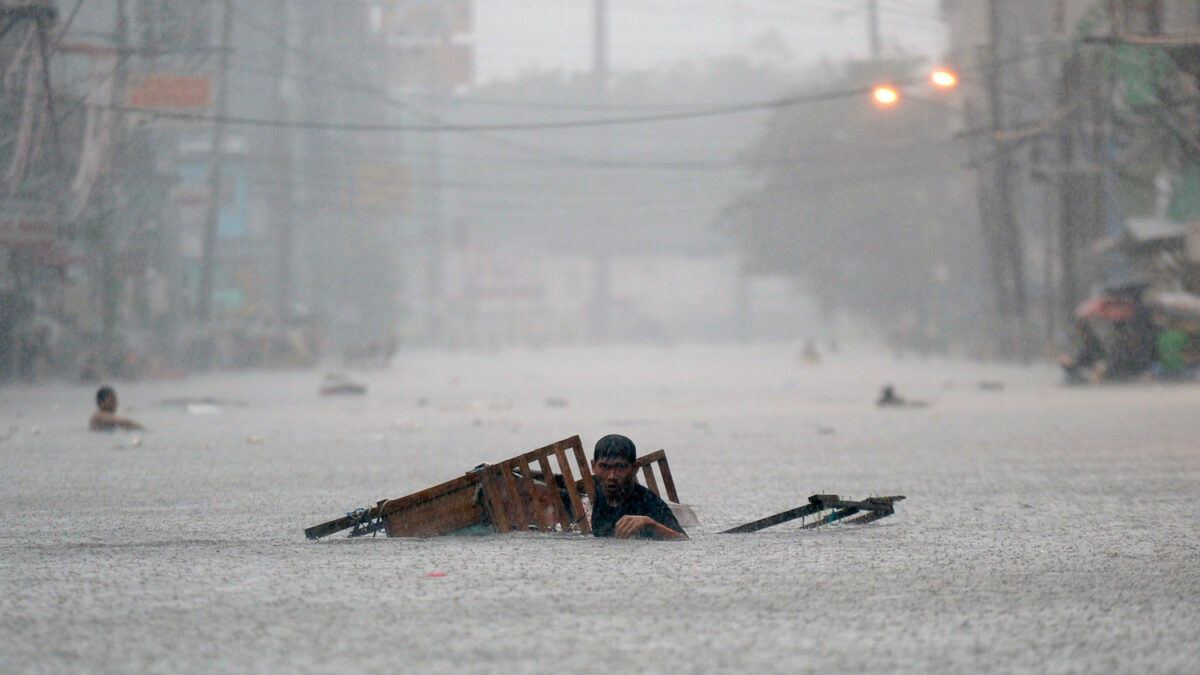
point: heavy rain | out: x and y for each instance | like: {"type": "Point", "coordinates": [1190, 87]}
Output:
{"type": "Point", "coordinates": [313, 313]}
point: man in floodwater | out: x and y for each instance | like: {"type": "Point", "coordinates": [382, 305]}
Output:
{"type": "Point", "coordinates": [105, 418]}
{"type": "Point", "coordinates": [623, 508]}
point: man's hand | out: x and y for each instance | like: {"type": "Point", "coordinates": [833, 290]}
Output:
{"type": "Point", "coordinates": [628, 526]}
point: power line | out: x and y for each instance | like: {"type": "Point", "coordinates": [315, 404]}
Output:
{"type": "Point", "coordinates": [383, 95]}
{"type": "Point", "coordinates": [447, 127]}
{"type": "Point", "coordinates": [718, 111]}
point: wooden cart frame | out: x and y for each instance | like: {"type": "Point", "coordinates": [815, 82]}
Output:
{"type": "Point", "coordinates": [511, 495]}
{"type": "Point", "coordinates": [826, 509]}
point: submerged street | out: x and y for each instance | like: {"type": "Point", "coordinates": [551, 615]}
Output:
{"type": "Point", "coordinates": [1046, 528]}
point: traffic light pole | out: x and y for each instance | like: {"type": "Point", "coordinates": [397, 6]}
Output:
{"type": "Point", "coordinates": [1010, 267]}
{"type": "Point", "coordinates": [602, 257]}
{"type": "Point", "coordinates": [209, 250]}
{"type": "Point", "coordinates": [282, 165]}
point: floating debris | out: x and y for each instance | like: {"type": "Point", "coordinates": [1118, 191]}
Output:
{"type": "Point", "coordinates": [188, 402]}
{"type": "Point", "coordinates": [343, 388]}
{"type": "Point", "coordinates": [203, 409]}
{"type": "Point", "coordinates": [889, 397]}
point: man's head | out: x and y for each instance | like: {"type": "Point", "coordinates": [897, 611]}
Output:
{"type": "Point", "coordinates": [613, 463]}
{"type": "Point", "coordinates": [106, 398]}
{"type": "Point", "coordinates": [615, 446]}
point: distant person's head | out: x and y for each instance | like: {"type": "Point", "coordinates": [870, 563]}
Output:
{"type": "Point", "coordinates": [614, 464]}
{"type": "Point", "coordinates": [106, 398]}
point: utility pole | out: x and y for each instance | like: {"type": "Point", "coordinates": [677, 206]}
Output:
{"type": "Point", "coordinates": [112, 207]}
{"type": "Point", "coordinates": [281, 205]}
{"type": "Point", "coordinates": [433, 230]}
{"type": "Point", "coordinates": [1071, 186]}
{"type": "Point", "coordinates": [320, 30]}
{"type": "Point", "coordinates": [602, 257]}
{"type": "Point", "coordinates": [1002, 220]}
{"type": "Point", "coordinates": [216, 149]}
{"type": "Point", "coordinates": [873, 29]}
{"type": "Point", "coordinates": [1154, 17]}
{"type": "Point", "coordinates": [600, 44]}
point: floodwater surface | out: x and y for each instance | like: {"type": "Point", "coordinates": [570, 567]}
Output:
{"type": "Point", "coordinates": [1046, 528]}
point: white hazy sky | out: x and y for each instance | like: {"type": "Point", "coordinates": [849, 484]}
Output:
{"type": "Point", "coordinates": [514, 36]}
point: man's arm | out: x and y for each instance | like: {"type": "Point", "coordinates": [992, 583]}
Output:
{"type": "Point", "coordinates": [628, 526]}
{"type": "Point", "coordinates": [126, 423]}
{"type": "Point", "coordinates": [102, 421]}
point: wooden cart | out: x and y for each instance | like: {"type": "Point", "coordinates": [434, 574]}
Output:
{"type": "Point", "coordinates": [514, 494]}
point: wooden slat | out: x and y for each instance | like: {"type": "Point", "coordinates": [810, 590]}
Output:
{"type": "Point", "coordinates": [441, 515]}
{"type": "Point", "coordinates": [493, 489]}
{"type": "Point", "coordinates": [651, 457]}
{"type": "Point", "coordinates": [659, 457]}
{"type": "Point", "coordinates": [540, 455]}
{"type": "Point", "coordinates": [572, 490]}
{"type": "Point", "coordinates": [543, 458]}
{"type": "Point", "coordinates": [538, 516]}
{"type": "Point", "coordinates": [668, 482]}
{"type": "Point", "coordinates": [585, 474]}
{"type": "Point", "coordinates": [520, 510]}
{"type": "Point", "coordinates": [572, 442]}
{"type": "Point", "coordinates": [505, 497]}
{"type": "Point", "coordinates": [648, 473]}
{"type": "Point", "coordinates": [392, 505]}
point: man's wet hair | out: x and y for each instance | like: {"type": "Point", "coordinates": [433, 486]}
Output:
{"type": "Point", "coordinates": [103, 393]}
{"type": "Point", "coordinates": [615, 446]}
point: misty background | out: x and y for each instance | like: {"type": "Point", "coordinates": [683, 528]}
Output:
{"type": "Point", "coordinates": [332, 252]}
{"type": "Point", "coordinates": [190, 185]}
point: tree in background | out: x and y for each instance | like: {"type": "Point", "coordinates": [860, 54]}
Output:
{"type": "Point", "coordinates": [868, 206]}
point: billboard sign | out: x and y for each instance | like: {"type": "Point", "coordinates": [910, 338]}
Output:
{"type": "Point", "coordinates": [169, 92]}
{"type": "Point", "coordinates": [26, 223]}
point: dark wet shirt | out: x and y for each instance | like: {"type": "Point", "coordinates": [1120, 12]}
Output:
{"type": "Point", "coordinates": [642, 502]}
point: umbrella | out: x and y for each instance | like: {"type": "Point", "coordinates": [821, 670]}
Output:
{"type": "Point", "coordinates": [1105, 308]}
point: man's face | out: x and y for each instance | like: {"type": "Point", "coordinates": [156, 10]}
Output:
{"type": "Point", "coordinates": [109, 403]}
{"type": "Point", "coordinates": [615, 476]}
